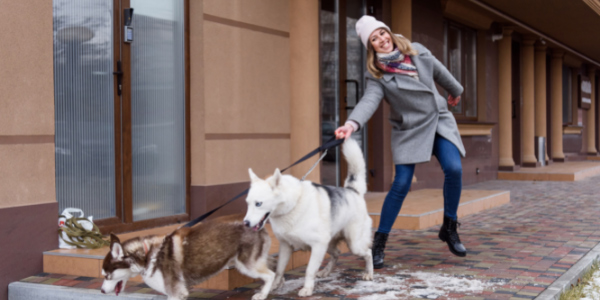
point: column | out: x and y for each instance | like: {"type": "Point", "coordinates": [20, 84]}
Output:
{"type": "Point", "coordinates": [402, 17]}
{"type": "Point", "coordinates": [401, 23]}
{"type": "Point", "coordinates": [304, 87]}
{"type": "Point", "coordinates": [504, 100]}
{"type": "Point", "coordinates": [528, 114]}
{"type": "Point", "coordinates": [556, 102]}
{"type": "Point", "coordinates": [591, 116]}
{"type": "Point", "coordinates": [540, 94]}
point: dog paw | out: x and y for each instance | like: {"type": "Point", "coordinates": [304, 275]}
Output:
{"type": "Point", "coordinates": [277, 284]}
{"type": "Point", "coordinates": [259, 296]}
{"type": "Point", "coordinates": [305, 292]}
{"type": "Point", "coordinates": [323, 273]}
{"type": "Point", "coordinates": [367, 276]}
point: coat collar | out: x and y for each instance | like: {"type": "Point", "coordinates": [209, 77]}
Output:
{"type": "Point", "coordinates": [424, 66]}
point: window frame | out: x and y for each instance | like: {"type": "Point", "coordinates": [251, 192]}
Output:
{"type": "Point", "coordinates": [567, 101]}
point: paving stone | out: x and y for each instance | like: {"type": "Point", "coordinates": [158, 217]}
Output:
{"type": "Point", "coordinates": [519, 248]}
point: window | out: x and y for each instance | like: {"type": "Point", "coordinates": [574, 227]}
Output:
{"type": "Point", "coordinates": [572, 109]}
{"type": "Point", "coordinates": [460, 48]}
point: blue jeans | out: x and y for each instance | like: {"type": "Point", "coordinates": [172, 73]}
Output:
{"type": "Point", "coordinates": [449, 158]}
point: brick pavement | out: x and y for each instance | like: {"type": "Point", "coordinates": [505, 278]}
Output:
{"type": "Point", "coordinates": [515, 252]}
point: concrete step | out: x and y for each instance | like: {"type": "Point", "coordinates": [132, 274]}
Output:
{"type": "Point", "coordinates": [60, 287]}
{"type": "Point", "coordinates": [27, 291]}
{"type": "Point", "coordinates": [88, 262]}
{"type": "Point", "coordinates": [425, 208]}
{"type": "Point", "coordinates": [567, 171]}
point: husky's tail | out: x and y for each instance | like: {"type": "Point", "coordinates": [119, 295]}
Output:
{"type": "Point", "coordinates": [357, 170]}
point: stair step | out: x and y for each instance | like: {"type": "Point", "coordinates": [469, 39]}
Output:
{"type": "Point", "coordinates": [88, 262]}
{"type": "Point", "coordinates": [567, 171]}
{"type": "Point", "coordinates": [425, 208]}
{"type": "Point", "coordinates": [57, 287]}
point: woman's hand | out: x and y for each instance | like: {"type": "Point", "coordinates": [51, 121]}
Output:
{"type": "Point", "coordinates": [453, 101]}
{"type": "Point", "coordinates": [344, 132]}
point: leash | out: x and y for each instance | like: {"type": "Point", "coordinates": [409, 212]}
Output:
{"type": "Point", "coordinates": [80, 237]}
{"type": "Point", "coordinates": [331, 143]}
{"type": "Point", "coordinates": [313, 167]}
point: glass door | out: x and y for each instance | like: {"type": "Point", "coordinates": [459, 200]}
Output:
{"type": "Point", "coordinates": [158, 109]}
{"type": "Point", "coordinates": [84, 97]}
{"type": "Point", "coordinates": [120, 111]}
{"type": "Point", "coordinates": [342, 77]}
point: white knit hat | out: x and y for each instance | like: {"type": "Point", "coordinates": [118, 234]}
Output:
{"type": "Point", "coordinates": [366, 25]}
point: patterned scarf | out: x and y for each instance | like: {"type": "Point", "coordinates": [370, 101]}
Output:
{"type": "Point", "coordinates": [396, 62]}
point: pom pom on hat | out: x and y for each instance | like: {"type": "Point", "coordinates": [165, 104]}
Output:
{"type": "Point", "coordinates": [366, 25]}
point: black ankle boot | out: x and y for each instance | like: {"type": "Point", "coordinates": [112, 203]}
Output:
{"type": "Point", "coordinates": [449, 235]}
{"type": "Point", "coordinates": [378, 246]}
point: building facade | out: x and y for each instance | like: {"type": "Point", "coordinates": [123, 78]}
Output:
{"type": "Point", "coordinates": [153, 117]}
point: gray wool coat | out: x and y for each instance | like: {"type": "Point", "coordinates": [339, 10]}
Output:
{"type": "Point", "coordinates": [418, 111]}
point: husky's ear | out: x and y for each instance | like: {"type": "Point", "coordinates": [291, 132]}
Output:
{"type": "Point", "coordinates": [276, 179]}
{"type": "Point", "coordinates": [114, 239]}
{"type": "Point", "coordinates": [116, 250]}
{"type": "Point", "coordinates": [253, 177]}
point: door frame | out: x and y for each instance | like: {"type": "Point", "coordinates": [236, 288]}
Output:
{"type": "Point", "coordinates": [342, 76]}
{"type": "Point", "coordinates": [371, 135]}
{"type": "Point", "coordinates": [123, 221]}
{"type": "Point", "coordinates": [379, 154]}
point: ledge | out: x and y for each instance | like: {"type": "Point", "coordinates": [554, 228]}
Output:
{"type": "Point", "coordinates": [572, 129]}
{"type": "Point", "coordinates": [458, 11]}
{"type": "Point", "coordinates": [475, 129]}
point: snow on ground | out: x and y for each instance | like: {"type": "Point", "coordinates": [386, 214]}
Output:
{"type": "Point", "coordinates": [592, 290]}
{"type": "Point", "coordinates": [402, 284]}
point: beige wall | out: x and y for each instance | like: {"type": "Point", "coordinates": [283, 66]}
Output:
{"type": "Point", "coordinates": [402, 17]}
{"type": "Point", "coordinates": [27, 104]}
{"type": "Point", "coordinates": [197, 116]}
{"type": "Point", "coordinates": [246, 80]}
{"type": "Point", "coordinates": [240, 89]}
{"type": "Point", "coordinates": [305, 79]}
{"type": "Point", "coordinates": [265, 13]}
{"type": "Point", "coordinates": [228, 160]}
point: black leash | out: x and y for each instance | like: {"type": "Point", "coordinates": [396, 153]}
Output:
{"type": "Point", "coordinates": [331, 143]}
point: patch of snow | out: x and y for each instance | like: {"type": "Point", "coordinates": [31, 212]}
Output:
{"type": "Point", "coordinates": [380, 283]}
{"type": "Point", "coordinates": [383, 287]}
{"type": "Point", "coordinates": [391, 295]}
{"type": "Point", "coordinates": [451, 283]}
{"type": "Point", "coordinates": [290, 285]}
{"type": "Point", "coordinates": [592, 290]}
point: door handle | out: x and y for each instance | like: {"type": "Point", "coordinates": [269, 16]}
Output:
{"type": "Point", "coordinates": [119, 73]}
{"type": "Point", "coordinates": [356, 92]}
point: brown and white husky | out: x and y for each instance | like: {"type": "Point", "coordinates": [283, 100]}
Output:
{"type": "Point", "coordinates": [188, 256]}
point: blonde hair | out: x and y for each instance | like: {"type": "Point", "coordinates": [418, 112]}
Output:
{"type": "Point", "coordinates": [402, 43]}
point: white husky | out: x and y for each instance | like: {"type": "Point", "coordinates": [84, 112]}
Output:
{"type": "Point", "coordinates": [306, 215]}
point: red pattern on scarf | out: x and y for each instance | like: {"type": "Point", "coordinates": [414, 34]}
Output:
{"type": "Point", "coordinates": [391, 69]}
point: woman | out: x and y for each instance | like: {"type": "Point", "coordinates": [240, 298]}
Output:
{"type": "Point", "coordinates": [405, 75]}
